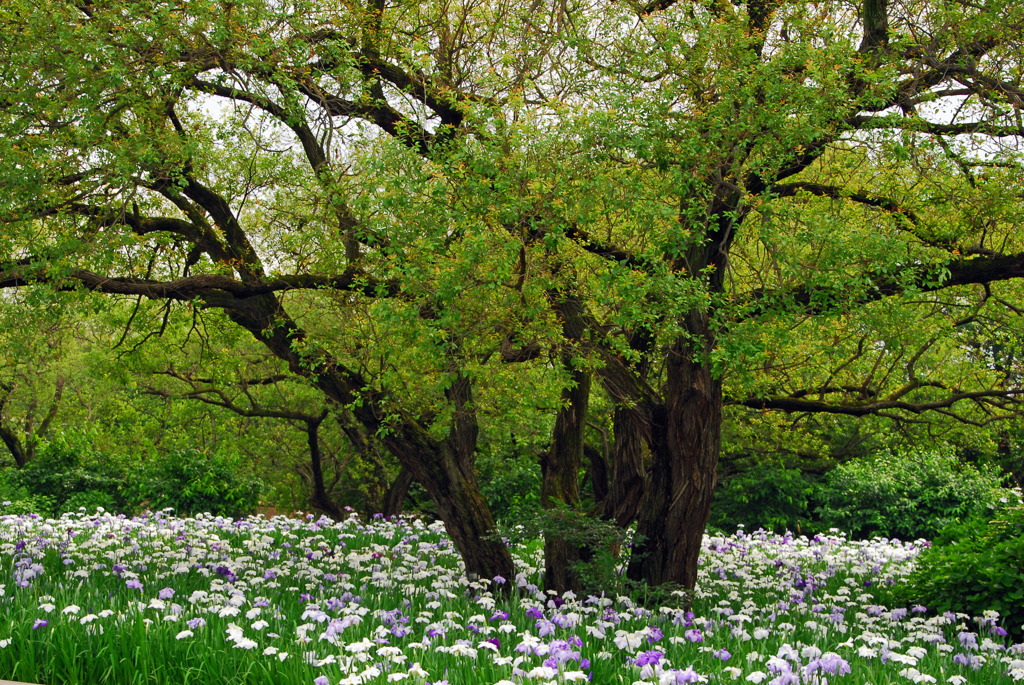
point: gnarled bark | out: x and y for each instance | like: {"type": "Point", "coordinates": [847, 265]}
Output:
{"type": "Point", "coordinates": [686, 445]}
{"type": "Point", "coordinates": [630, 474]}
{"type": "Point", "coordinates": [561, 463]}
{"type": "Point", "coordinates": [560, 467]}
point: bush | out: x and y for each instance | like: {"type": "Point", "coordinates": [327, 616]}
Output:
{"type": "Point", "coordinates": [906, 496]}
{"type": "Point", "coordinates": [509, 482]}
{"type": "Point", "coordinates": [17, 499]}
{"type": "Point", "coordinates": [191, 482]}
{"type": "Point", "coordinates": [974, 566]}
{"type": "Point", "coordinates": [66, 474]}
{"type": "Point", "coordinates": [91, 500]}
{"type": "Point", "coordinates": [770, 497]}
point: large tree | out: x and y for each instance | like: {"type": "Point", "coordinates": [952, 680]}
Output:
{"type": "Point", "coordinates": [781, 206]}
{"type": "Point", "coordinates": [841, 204]}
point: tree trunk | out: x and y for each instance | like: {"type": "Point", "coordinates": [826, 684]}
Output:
{"type": "Point", "coordinates": [630, 475]}
{"type": "Point", "coordinates": [458, 499]}
{"type": "Point", "coordinates": [560, 467]}
{"type": "Point", "coordinates": [598, 470]}
{"type": "Point", "coordinates": [634, 402]}
{"type": "Point", "coordinates": [686, 432]}
{"type": "Point", "coordinates": [321, 498]}
{"type": "Point", "coordinates": [561, 464]}
{"type": "Point", "coordinates": [10, 439]}
{"type": "Point", "coordinates": [394, 499]}
{"type": "Point", "coordinates": [686, 440]}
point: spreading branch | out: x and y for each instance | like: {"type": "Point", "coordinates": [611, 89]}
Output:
{"type": "Point", "coordinates": [979, 270]}
{"type": "Point", "coordinates": [984, 399]}
{"type": "Point", "coordinates": [202, 286]}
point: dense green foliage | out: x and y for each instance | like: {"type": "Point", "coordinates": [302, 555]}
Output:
{"type": "Point", "coordinates": [190, 482]}
{"type": "Point", "coordinates": [70, 473]}
{"type": "Point", "coordinates": [975, 566]}
{"type": "Point", "coordinates": [769, 497]}
{"type": "Point", "coordinates": [896, 493]}
{"type": "Point", "coordinates": [510, 483]}
{"type": "Point", "coordinates": [905, 495]}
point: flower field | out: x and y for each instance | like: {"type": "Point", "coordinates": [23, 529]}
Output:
{"type": "Point", "coordinates": [158, 599]}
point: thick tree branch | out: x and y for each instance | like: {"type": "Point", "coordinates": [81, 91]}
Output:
{"type": "Point", "coordinates": [837, 193]}
{"type": "Point", "coordinates": [417, 86]}
{"type": "Point", "coordinates": [914, 123]}
{"type": "Point", "coordinates": [201, 286]}
{"type": "Point", "coordinates": [245, 260]}
{"type": "Point", "coordinates": [384, 116]}
{"type": "Point", "coordinates": [875, 15]}
{"type": "Point", "coordinates": [820, 299]}
{"type": "Point", "coordinates": [994, 398]}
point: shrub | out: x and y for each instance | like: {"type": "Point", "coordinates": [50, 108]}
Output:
{"type": "Point", "coordinates": [905, 495]}
{"type": "Point", "coordinates": [192, 482]}
{"type": "Point", "coordinates": [509, 482]}
{"type": "Point", "coordinates": [770, 497]}
{"type": "Point", "coordinates": [17, 499]}
{"type": "Point", "coordinates": [91, 500]}
{"type": "Point", "coordinates": [974, 566]}
{"type": "Point", "coordinates": [66, 474]}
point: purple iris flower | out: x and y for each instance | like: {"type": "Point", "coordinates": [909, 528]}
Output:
{"type": "Point", "coordinates": [545, 628]}
{"type": "Point", "coordinates": [969, 660]}
{"type": "Point", "coordinates": [829, 664]}
{"type": "Point", "coordinates": [968, 640]}
{"type": "Point", "coordinates": [678, 677]}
